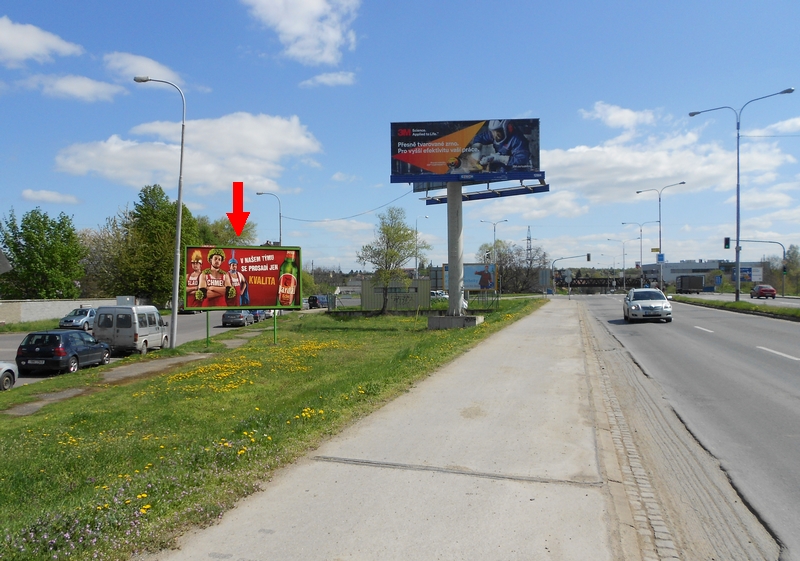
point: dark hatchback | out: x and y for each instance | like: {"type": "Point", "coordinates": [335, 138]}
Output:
{"type": "Point", "coordinates": [60, 350]}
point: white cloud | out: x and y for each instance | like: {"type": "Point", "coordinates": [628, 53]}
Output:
{"type": "Point", "coordinates": [48, 197]}
{"type": "Point", "coordinates": [757, 199]}
{"type": "Point", "coordinates": [560, 203]}
{"type": "Point", "coordinates": [611, 172]}
{"type": "Point", "coordinates": [789, 126]}
{"type": "Point", "coordinates": [78, 87]}
{"type": "Point", "coordinates": [313, 32]}
{"type": "Point", "coordinates": [330, 79]}
{"type": "Point", "coordinates": [617, 117]}
{"type": "Point", "coordinates": [21, 42]}
{"type": "Point", "coordinates": [127, 65]}
{"type": "Point", "coordinates": [235, 147]}
{"type": "Point", "coordinates": [343, 177]}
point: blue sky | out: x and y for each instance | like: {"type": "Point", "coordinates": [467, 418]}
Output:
{"type": "Point", "coordinates": [295, 97]}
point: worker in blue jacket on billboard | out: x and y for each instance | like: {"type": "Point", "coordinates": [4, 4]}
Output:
{"type": "Point", "coordinates": [511, 151]}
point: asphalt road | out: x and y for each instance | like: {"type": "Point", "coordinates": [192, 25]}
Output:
{"type": "Point", "coordinates": [734, 380]}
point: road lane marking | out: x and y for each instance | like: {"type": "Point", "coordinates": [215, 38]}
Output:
{"type": "Point", "coordinates": [703, 329]}
{"type": "Point", "coordinates": [790, 357]}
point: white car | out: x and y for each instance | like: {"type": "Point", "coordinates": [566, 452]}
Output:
{"type": "Point", "coordinates": [8, 375]}
{"type": "Point", "coordinates": [646, 303]}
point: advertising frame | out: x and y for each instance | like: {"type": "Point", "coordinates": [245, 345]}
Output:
{"type": "Point", "coordinates": [486, 280]}
{"type": "Point", "coordinates": [471, 152]}
{"type": "Point", "coordinates": [267, 278]}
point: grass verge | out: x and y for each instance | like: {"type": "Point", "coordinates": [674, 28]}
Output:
{"type": "Point", "coordinates": [26, 326]}
{"type": "Point", "coordinates": [743, 306]}
{"type": "Point", "coordinates": [126, 469]}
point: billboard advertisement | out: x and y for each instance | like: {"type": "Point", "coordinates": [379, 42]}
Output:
{"type": "Point", "coordinates": [263, 277]}
{"type": "Point", "coordinates": [477, 276]}
{"type": "Point", "coordinates": [749, 274]}
{"type": "Point", "coordinates": [465, 151]}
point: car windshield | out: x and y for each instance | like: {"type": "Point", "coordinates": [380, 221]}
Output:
{"type": "Point", "coordinates": [78, 313]}
{"type": "Point", "coordinates": [648, 295]}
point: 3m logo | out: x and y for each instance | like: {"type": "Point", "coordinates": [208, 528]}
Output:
{"type": "Point", "coordinates": [403, 132]}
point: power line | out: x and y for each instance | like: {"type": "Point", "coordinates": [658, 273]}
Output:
{"type": "Point", "coordinates": [348, 217]}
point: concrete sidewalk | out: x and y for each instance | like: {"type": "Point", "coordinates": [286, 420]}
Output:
{"type": "Point", "coordinates": [494, 457]}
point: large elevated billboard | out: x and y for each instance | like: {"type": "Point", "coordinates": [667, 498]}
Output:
{"type": "Point", "coordinates": [256, 278]}
{"type": "Point", "coordinates": [465, 151]}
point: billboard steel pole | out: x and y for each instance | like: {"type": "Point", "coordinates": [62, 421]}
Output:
{"type": "Point", "coordinates": [455, 248]}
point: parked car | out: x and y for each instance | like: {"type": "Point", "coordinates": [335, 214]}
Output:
{"type": "Point", "coordinates": [237, 317]}
{"type": "Point", "coordinates": [646, 303]}
{"type": "Point", "coordinates": [79, 318]}
{"type": "Point", "coordinates": [8, 375]}
{"type": "Point", "coordinates": [438, 294]}
{"type": "Point", "coordinates": [60, 350]}
{"type": "Point", "coordinates": [763, 291]}
{"type": "Point", "coordinates": [261, 315]}
{"type": "Point", "coordinates": [317, 301]}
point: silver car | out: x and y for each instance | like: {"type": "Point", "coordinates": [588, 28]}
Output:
{"type": "Point", "coordinates": [237, 317]}
{"type": "Point", "coordinates": [8, 375]}
{"type": "Point", "coordinates": [646, 303]}
{"type": "Point", "coordinates": [79, 318]}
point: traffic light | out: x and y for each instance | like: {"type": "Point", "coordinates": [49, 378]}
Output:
{"type": "Point", "coordinates": [784, 269]}
{"type": "Point", "coordinates": [588, 256]}
{"type": "Point", "coordinates": [727, 243]}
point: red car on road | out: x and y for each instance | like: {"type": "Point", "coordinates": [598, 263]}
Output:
{"type": "Point", "coordinates": [763, 291]}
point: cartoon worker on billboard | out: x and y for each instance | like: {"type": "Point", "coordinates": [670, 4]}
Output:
{"type": "Point", "coordinates": [215, 284]}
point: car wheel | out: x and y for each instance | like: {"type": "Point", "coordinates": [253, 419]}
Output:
{"type": "Point", "coordinates": [626, 317]}
{"type": "Point", "coordinates": [668, 320]}
{"type": "Point", "coordinates": [86, 327]}
{"type": "Point", "coordinates": [143, 350]}
{"type": "Point", "coordinates": [72, 365]}
{"type": "Point", "coordinates": [106, 358]}
{"type": "Point", "coordinates": [165, 343]}
{"type": "Point", "coordinates": [6, 381]}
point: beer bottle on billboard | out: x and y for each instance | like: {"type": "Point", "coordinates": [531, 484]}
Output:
{"type": "Point", "coordinates": [287, 283]}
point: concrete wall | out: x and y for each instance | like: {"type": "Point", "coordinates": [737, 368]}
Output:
{"type": "Point", "coordinates": [16, 311]}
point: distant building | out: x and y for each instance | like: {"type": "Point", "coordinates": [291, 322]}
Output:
{"type": "Point", "coordinates": [692, 267]}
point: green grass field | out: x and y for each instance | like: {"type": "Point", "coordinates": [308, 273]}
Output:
{"type": "Point", "coordinates": [126, 468]}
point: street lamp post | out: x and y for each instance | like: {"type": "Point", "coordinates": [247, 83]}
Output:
{"type": "Point", "coordinates": [494, 249]}
{"type": "Point", "coordinates": [738, 198]}
{"type": "Point", "coordinates": [280, 216]}
{"type": "Point", "coordinates": [641, 253]}
{"type": "Point", "coordinates": [623, 242]}
{"type": "Point", "coordinates": [416, 244]}
{"type": "Point", "coordinates": [660, 247]}
{"type": "Point", "coordinates": [176, 266]}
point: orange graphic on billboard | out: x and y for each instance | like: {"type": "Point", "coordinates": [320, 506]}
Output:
{"type": "Point", "coordinates": [437, 155]}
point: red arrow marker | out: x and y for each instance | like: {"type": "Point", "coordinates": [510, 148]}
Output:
{"type": "Point", "coordinates": [238, 217]}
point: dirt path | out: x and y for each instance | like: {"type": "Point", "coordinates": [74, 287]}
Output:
{"type": "Point", "coordinates": [683, 503]}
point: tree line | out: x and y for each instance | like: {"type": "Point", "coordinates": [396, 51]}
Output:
{"type": "Point", "coordinates": [131, 254]}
